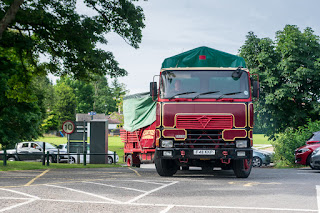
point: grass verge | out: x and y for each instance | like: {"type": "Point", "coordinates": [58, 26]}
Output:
{"type": "Point", "coordinates": [22, 165]}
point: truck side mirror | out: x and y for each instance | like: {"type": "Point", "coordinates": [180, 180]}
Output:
{"type": "Point", "coordinates": [153, 90]}
{"type": "Point", "coordinates": [256, 89]}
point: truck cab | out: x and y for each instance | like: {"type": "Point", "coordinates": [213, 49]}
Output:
{"type": "Point", "coordinates": [205, 119]}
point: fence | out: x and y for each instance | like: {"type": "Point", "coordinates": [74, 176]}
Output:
{"type": "Point", "coordinates": [47, 158]}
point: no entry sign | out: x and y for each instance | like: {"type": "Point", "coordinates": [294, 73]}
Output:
{"type": "Point", "coordinates": [68, 127]}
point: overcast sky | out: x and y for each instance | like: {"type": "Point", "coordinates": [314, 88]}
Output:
{"type": "Point", "coordinates": [175, 26]}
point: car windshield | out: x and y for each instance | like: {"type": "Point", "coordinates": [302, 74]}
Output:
{"type": "Point", "coordinates": [315, 137]}
{"type": "Point", "coordinates": [48, 145]}
{"type": "Point", "coordinates": [203, 84]}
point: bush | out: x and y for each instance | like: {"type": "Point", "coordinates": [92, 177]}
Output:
{"type": "Point", "coordinates": [285, 143]}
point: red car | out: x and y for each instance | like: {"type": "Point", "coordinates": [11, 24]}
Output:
{"type": "Point", "coordinates": [303, 153]}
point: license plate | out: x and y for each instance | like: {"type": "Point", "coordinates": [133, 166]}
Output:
{"type": "Point", "coordinates": [204, 152]}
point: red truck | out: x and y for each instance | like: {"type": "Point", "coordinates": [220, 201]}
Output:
{"type": "Point", "coordinates": [200, 115]}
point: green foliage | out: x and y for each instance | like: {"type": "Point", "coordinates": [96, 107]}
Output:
{"type": "Point", "coordinates": [69, 40]}
{"type": "Point", "coordinates": [20, 116]}
{"type": "Point", "coordinates": [288, 69]}
{"type": "Point", "coordinates": [65, 103]}
{"type": "Point", "coordinates": [285, 143]}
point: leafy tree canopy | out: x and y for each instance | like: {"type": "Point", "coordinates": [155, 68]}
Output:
{"type": "Point", "coordinates": [288, 69]}
{"type": "Point", "coordinates": [55, 29]}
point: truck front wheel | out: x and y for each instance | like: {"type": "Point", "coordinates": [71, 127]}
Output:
{"type": "Point", "coordinates": [242, 167]}
{"type": "Point", "coordinates": [166, 167]}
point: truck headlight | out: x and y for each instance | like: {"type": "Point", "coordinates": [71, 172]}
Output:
{"type": "Point", "coordinates": [167, 143]}
{"type": "Point", "coordinates": [241, 143]}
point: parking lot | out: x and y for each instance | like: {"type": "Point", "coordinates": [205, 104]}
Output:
{"type": "Point", "coordinates": [142, 190]}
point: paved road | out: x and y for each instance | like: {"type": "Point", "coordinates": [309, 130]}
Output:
{"type": "Point", "coordinates": [142, 190]}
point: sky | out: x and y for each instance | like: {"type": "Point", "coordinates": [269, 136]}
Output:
{"type": "Point", "coordinates": [175, 26]}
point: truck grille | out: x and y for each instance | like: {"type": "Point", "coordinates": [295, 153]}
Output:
{"type": "Point", "coordinates": [204, 139]}
{"type": "Point", "coordinates": [204, 121]}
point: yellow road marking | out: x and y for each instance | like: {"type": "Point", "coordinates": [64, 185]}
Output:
{"type": "Point", "coordinates": [135, 171]}
{"type": "Point", "coordinates": [31, 181]}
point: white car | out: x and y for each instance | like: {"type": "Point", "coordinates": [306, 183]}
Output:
{"type": "Point", "coordinates": [74, 157]}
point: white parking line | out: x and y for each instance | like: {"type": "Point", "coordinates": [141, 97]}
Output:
{"type": "Point", "coordinates": [112, 186]}
{"type": "Point", "coordinates": [167, 209]}
{"type": "Point", "coordinates": [17, 205]}
{"type": "Point", "coordinates": [142, 181]}
{"type": "Point", "coordinates": [87, 193]}
{"type": "Point", "coordinates": [318, 197]}
{"type": "Point", "coordinates": [169, 206]}
{"type": "Point", "coordinates": [149, 192]}
{"type": "Point", "coordinates": [21, 193]}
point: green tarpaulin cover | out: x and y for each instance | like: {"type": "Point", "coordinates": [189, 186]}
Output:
{"type": "Point", "coordinates": [139, 110]}
{"type": "Point", "coordinates": [204, 57]}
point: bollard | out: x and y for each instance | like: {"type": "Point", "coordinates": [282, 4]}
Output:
{"type": "Point", "coordinates": [44, 154]}
{"type": "Point", "coordinates": [114, 157]}
{"type": "Point", "coordinates": [84, 158]}
{"type": "Point", "coordinates": [4, 157]}
{"type": "Point", "coordinates": [58, 157]}
{"type": "Point", "coordinates": [48, 163]}
{"type": "Point", "coordinates": [78, 156]}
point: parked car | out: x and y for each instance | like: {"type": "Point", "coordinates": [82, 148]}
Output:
{"type": "Point", "coordinates": [303, 153]}
{"type": "Point", "coordinates": [261, 157]}
{"type": "Point", "coordinates": [315, 159]}
{"type": "Point", "coordinates": [31, 151]}
{"type": "Point", "coordinates": [74, 158]}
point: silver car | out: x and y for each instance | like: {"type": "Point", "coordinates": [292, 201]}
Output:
{"type": "Point", "coordinates": [315, 159]}
{"type": "Point", "coordinates": [261, 157]}
{"type": "Point", "coordinates": [74, 158]}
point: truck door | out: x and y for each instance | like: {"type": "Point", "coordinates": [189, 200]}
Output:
{"type": "Point", "coordinates": [35, 152]}
{"type": "Point", "coordinates": [23, 149]}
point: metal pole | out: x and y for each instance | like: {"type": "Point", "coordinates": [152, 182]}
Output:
{"type": "Point", "coordinates": [68, 147]}
{"type": "Point", "coordinates": [4, 157]}
{"type": "Point", "coordinates": [78, 156]}
{"type": "Point", "coordinates": [84, 144]}
{"type": "Point", "coordinates": [114, 157]}
{"type": "Point", "coordinates": [48, 163]}
{"type": "Point", "coordinates": [58, 157]}
{"type": "Point", "coordinates": [44, 154]}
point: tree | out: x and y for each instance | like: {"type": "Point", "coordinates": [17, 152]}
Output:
{"type": "Point", "coordinates": [55, 29]}
{"type": "Point", "coordinates": [65, 103]}
{"type": "Point", "coordinates": [20, 118]}
{"type": "Point", "coordinates": [288, 70]}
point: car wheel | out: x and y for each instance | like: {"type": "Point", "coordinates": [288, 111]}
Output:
{"type": "Point", "coordinates": [72, 160]}
{"type": "Point", "coordinates": [12, 159]}
{"type": "Point", "coordinates": [110, 160]}
{"type": "Point", "coordinates": [256, 162]}
{"type": "Point", "coordinates": [50, 159]}
{"type": "Point", "coordinates": [308, 162]}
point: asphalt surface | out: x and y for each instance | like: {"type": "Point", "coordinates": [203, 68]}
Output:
{"type": "Point", "coordinates": [143, 190]}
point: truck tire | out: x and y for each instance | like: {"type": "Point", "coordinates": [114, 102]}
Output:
{"type": "Point", "coordinates": [129, 160]}
{"type": "Point", "coordinates": [242, 167]}
{"type": "Point", "coordinates": [165, 167]}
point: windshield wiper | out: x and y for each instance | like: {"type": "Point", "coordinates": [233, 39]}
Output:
{"type": "Point", "coordinates": [183, 93]}
{"type": "Point", "coordinates": [205, 93]}
{"type": "Point", "coordinates": [231, 93]}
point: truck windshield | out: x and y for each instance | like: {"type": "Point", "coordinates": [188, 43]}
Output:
{"type": "Point", "coordinates": [198, 84]}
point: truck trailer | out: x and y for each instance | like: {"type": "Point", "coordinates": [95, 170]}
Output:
{"type": "Point", "coordinates": [201, 114]}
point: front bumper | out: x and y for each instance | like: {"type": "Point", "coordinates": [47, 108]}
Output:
{"type": "Point", "coordinates": [188, 153]}
{"type": "Point", "coordinates": [315, 162]}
